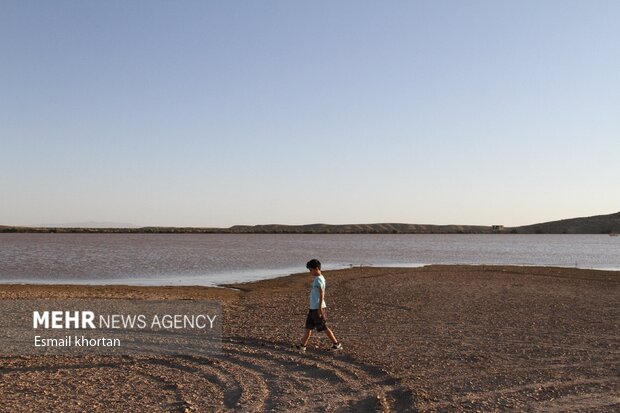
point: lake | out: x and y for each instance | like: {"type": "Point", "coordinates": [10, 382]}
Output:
{"type": "Point", "coordinates": [209, 259]}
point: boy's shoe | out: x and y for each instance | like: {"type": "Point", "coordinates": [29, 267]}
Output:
{"type": "Point", "coordinates": [337, 346]}
{"type": "Point", "coordinates": [300, 347]}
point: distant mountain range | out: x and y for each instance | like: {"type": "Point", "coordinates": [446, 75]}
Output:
{"type": "Point", "coordinates": [599, 224]}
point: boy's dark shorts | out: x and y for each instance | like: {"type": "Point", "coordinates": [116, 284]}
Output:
{"type": "Point", "coordinates": [315, 321]}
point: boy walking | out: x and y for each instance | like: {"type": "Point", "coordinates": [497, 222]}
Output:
{"type": "Point", "coordinates": [316, 315]}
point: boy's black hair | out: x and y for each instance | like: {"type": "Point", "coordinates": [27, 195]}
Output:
{"type": "Point", "coordinates": [313, 263]}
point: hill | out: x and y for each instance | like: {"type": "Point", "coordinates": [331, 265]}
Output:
{"type": "Point", "coordinates": [361, 229]}
{"type": "Point", "coordinates": [599, 224]}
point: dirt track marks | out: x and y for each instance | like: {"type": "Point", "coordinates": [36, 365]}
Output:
{"type": "Point", "coordinates": [293, 381]}
{"type": "Point", "coordinates": [248, 376]}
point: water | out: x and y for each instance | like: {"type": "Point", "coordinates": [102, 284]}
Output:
{"type": "Point", "coordinates": [209, 259]}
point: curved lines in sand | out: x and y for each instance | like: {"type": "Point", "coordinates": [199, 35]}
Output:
{"type": "Point", "coordinates": [293, 378]}
{"type": "Point", "coordinates": [196, 386]}
{"type": "Point", "coordinates": [73, 383]}
{"type": "Point", "coordinates": [248, 376]}
{"type": "Point", "coordinates": [169, 390]}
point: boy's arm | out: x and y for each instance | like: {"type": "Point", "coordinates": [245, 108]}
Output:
{"type": "Point", "coordinates": [321, 295]}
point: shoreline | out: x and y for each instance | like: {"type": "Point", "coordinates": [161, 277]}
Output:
{"type": "Point", "coordinates": [448, 338]}
{"type": "Point", "coordinates": [265, 275]}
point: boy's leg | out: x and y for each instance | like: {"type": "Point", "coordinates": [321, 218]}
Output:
{"type": "Point", "coordinates": [307, 335]}
{"type": "Point", "coordinates": [330, 335]}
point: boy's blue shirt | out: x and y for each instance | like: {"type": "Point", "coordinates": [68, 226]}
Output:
{"type": "Point", "coordinates": [318, 284]}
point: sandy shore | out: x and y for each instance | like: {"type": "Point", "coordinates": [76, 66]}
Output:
{"type": "Point", "coordinates": [439, 338]}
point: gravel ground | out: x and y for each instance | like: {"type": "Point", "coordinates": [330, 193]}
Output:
{"type": "Point", "coordinates": [438, 338]}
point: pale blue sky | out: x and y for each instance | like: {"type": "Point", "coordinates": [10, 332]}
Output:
{"type": "Point", "coordinates": [249, 112]}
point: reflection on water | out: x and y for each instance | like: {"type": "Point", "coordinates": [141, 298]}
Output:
{"type": "Point", "coordinates": [206, 259]}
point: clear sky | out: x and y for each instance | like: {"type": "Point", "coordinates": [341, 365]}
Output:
{"type": "Point", "coordinates": [214, 113]}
